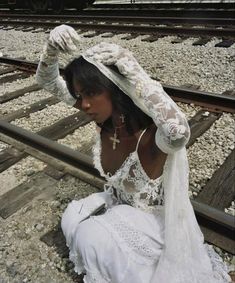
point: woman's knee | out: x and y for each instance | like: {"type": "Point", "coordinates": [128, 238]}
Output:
{"type": "Point", "coordinates": [69, 221]}
{"type": "Point", "coordinates": [86, 234]}
{"type": "Point", "coordinates": [88, 241]}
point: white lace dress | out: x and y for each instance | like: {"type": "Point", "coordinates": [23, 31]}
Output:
{"type": "Point", "coordinates": [150, 235]}
{"type": "Point", "coordinates": [123, 244]}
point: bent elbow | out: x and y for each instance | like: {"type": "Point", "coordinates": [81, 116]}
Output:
{"type": "Point", "coordinates": [173, 142]}
{"type": "Point", "coordinates": [180, 138]}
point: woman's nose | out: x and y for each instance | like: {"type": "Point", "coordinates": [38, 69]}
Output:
{"type": "Point", "coordinates": [85, 104]}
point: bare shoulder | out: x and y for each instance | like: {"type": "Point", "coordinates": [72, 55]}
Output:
{"type": "Point", "coordinates": [151, 157]}
{"type": "Point", "coordinates": [149, 145]}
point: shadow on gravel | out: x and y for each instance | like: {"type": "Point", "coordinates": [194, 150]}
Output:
{"type": "Point", "coordinates": [55, 238]}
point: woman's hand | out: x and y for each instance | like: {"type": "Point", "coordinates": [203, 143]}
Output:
{"type": "Point", "coordinates": [113, 54]}
{"type": "Point", "coordinates": [64, 39]}
{"type": "Point", "coordinates": [105, 53]}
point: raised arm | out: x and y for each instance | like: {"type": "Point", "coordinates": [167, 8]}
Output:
{"type": "Point", "coordinates": [173, 130]}
{"type": "Point", "coordinates": [62, 39]}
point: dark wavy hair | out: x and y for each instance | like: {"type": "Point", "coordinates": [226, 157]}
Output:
{"type": "Point", "coordinates": [93, 81]}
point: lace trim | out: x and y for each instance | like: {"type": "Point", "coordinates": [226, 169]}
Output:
{"type": "Point", "coordinates": [96, 149]}
{"type": "Point", "coordinates": [95, 277]}
{"type": "Point", "coordinates": [133, 155]}
{"type": "Point", "coordinates": [219, 267]}
{"type": "Point", "coordinates": [134, 243]}
{"type": "Point", "coordinates": [131, 181]}
{"type": "Point", "coordinates": [76, 258]}
{"type": "Point", "coordinates": [98, 165]}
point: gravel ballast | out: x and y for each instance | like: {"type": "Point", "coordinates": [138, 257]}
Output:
{"type": "Point", "coordinates": [45, 117]}
{"type": "Point", "coordinates": [175, 64]}
{"type": "Point", "coordinates": [23, 102]}
{"type": "Point", "coordinates": [17, 84]}
{"type": "Point", "coordinates": [217, 143]}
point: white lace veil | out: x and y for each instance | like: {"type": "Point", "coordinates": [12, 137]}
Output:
{"type": "Point", "coordinates": [119, 80]}
{"type": "Point", "coordinates": [184, 258]}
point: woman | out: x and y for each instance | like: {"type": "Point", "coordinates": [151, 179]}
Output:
{"type": "Point", "coordinates": [148, 233]}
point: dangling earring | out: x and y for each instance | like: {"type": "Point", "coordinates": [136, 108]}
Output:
{"type": "Point", "coordinates": [122, 117]}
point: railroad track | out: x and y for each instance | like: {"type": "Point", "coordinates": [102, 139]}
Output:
{"type": "Point", "coordinates": [128, 18]}
{"type": "Point", "coordinates": [217, 226]}
{"type": "Point", "coordinates": [215, 10]}
{"type": "Point", "coordinates": [155, 26]}
{"type": "Point", "coordinates": [193, 11]}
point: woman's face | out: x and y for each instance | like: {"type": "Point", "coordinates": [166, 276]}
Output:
{"type": "Point", "coordinates": [97, 105]}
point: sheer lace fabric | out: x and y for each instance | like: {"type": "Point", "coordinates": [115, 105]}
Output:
{"type": "Point", "coordinates": [132, 184]}
{"type": "Point", "coordinates": [141, 248]}
{"type": "Point", "coordinates": [174, 131]}
{"type": "Point", "coordinates": [95, 277]}
{"type": "Point", "coordinates": [48, 77]}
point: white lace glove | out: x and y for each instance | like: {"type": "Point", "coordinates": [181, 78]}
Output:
{"type": "Point", "coordinates": [62, 39]}
{"type": "Point", "coordinates": [173, 130]}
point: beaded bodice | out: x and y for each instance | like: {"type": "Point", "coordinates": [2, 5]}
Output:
{"type": "Point", "coordinates": [133, 186]}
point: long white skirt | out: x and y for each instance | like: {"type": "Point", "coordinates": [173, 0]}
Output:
{"type": "Point", "coordinates": [122, 245]}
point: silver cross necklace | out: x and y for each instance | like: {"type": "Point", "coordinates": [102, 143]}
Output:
{"type": "Point", "coordinates": [114, 138]}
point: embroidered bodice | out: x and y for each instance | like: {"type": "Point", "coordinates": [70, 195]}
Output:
{"type": "Point", "coordinates": [133, 186]}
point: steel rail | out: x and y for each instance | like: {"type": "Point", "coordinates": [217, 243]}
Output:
{"type": "Point", "coordinates": [82, 161]}
{"type": "Point", "coordinates": [212, 101]}
{"type": "Point", "coordinates": [50, 147]}
{"type": "Point", "coordinates": [145, 29]}
{"type": "Point", "coordinates": [171, 5]}
{"type": "Point", "coordinates": [132, 9]}
{"type": "Point", "coordinates": [215, 102]}
{"type": "Point", "coordinates": [226, 10]}
{"type": "Point", "coordinates": [145, 19]}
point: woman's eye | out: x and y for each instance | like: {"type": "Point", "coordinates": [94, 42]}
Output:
{"type": "Point", "coordinates": [85, 94]}
{"type": "Point", "coordinates": [89, 93]}
{"type": "Point", "coordinates": [92, 94]}
{"type": "Point", "coordinates": [78, 96]}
